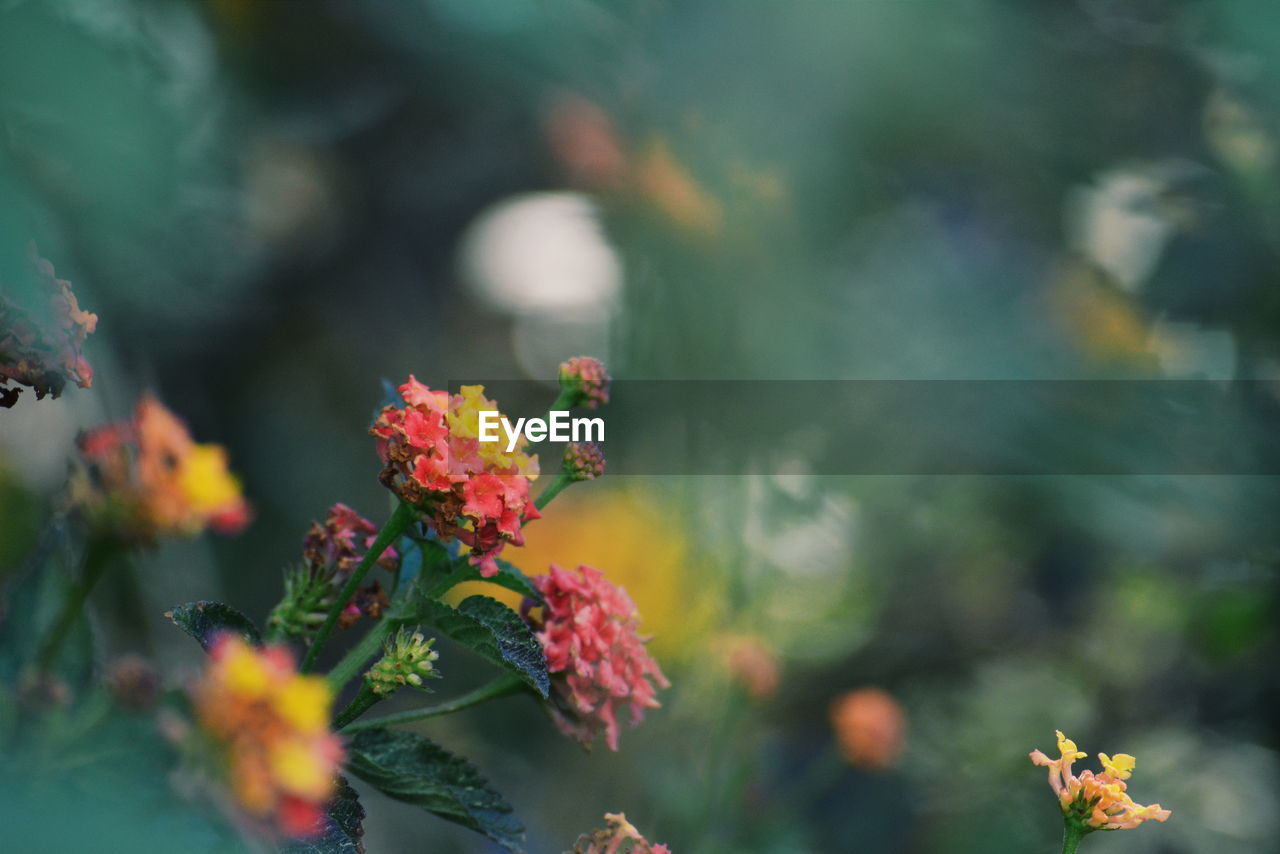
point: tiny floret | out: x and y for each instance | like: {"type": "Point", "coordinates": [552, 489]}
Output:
{"type": "Point", "coordinates": [1095, 801]}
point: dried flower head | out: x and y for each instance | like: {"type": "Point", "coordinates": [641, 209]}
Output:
{"type": "Point", "coordinates": [589, 631]}
{"type": "Point", "coordinates": [41, 330]}
{"type": "Point", "coordinates": [331, 551]}
{"type": "Point", "coordinates": [870, 726]}
{"type": "Point", "coordinates": [270, 728]}
{"type": "Point", "coordinates": [146, 477]}
{"type": "Point", "coordinates": [618, 836]}
{"type": "Point", "coordinates": [476, 492]}
{"type": "Point", "coordinates": [407, 659]}
{"type": "Point", "coordinates": [585, 380]}
{"type": "Point", "coordinates": [1095, 801]}
{"type": "Point", "coordinates": [583, 461]}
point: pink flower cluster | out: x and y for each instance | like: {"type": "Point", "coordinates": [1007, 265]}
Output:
{"type": "Point", "coordinates": [583, 460]}
{"type": "Point", "coordinates": [434, 460]}
{"type": "Point", "coordinates": [334, 549]}
{"type": "Point", "coordinates": [585, 378]}
{"type": "Point", "coordinates": [590, 634]}
{"type": "Point", "coordinates": [40, 336]}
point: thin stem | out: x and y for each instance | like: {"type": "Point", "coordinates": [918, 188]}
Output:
{"type": "Point", "coordinates": [501, 687]}
{"type": "Point", "coordinates": [395, 526]}
{"type": "Point", "coordinates": [361, 704]}
{"type": "Point", "coordinates": [356, 658]}
{"type": "Point", "coordinates": [97, 556]}
{"type": "Point", "coordinates": [563, 401]}
{"type": "Point", "coordinates": [555, 488]}
{"type": "Point", "coordinates": [1071, 837]}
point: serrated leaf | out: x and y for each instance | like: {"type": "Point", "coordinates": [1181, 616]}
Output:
{"type": "Point", "coordinates": [206, 620]}
{"type": "Point", "coordinates": [509, 576]}
{"type": "Point", "coordinates": [411, 768]}
{"type": "Point", "coordinates": [492, 630]}
{"type": "Point", "coordinates": [343, 831]}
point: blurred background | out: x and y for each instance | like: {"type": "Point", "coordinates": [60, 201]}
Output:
{"type": "Point", "coordinates": [272, 206]}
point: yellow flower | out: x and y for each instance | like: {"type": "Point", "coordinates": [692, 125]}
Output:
{"type": "Point", "coordinates": [270, 726]}
{"type": "Point", "coordinates": [206, 482]}
{"type": "Point", "coordinates": [1096, 801]}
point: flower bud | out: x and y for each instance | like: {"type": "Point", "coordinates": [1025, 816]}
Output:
{"type": "Point", "coordinates": [583, 461]}
{"type": "Point", "coordinates": [407, 659]}
{"type": "Point", "coordinates": [584, 378]}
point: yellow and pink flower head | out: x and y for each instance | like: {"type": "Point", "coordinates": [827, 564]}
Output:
{"type": "Point", "coordinates": [476, 492]}
{"type": "Point", "coordinates": [1098, 801]}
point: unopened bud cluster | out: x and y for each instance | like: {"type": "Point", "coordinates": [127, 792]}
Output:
{"type": "Point", "coordinates": [584, 378]}
{"type": "Point", "coordinates": [583, 461]}
{"type": "Point", "coordinates": [407, 659]}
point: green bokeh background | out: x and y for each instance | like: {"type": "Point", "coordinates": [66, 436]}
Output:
{"type": "Point", "coordinates": [274, 205]}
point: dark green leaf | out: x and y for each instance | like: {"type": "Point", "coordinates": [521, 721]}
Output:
{"type": "Point", "coordinates": [509, 576]}
{"type": "Point", "coordinates": [206, 620]}
{"type": "Point", "coordinates": [411, 768]}
{"type": "Point", "coordinates": [343, 827]}
{"type": "Point", "coordinates": [492, 630]}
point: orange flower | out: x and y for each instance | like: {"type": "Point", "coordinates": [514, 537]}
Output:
{"type": "Point", "coordinates": [870, 727]}
{"type": "Point", "coordinates": [271, 728]}
{"type": "Point", "coordinates": [1096, 801]}
{"type": "Point", "coordinates": [147, 477]}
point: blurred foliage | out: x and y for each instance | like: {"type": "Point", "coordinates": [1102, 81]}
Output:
{"type": "Point", "coordinates": [272, 205]}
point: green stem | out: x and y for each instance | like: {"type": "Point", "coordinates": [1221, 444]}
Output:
{"type": "Point", "coordinates": [501, 687]}
{"type": "Point", "coordinates": [563, 401]}
{"type": "Point", "coordinates": [555, 488]}
{"type": "Point", "coordinates": [97, 557]}
{"type": "Point", "coordinates": [358, 656]}
{"type": "Point", "coordinates": [395, 526]}
{"type": "Point", "coordinates": [1071, 838]}
{"type": "Point", "coordinates": [361, 704]}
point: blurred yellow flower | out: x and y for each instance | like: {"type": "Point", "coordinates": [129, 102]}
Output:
{"type": "Point", "coordinates": [625, 534]}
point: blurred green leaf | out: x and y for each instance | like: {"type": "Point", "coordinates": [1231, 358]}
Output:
{"type": "Point", "coordinates": [411, 768]}
{"type": "Point", "coordinates": [205, 620]}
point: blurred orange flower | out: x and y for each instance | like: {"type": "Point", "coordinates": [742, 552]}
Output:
{"type": "Point", "coordinates": [147, 477]}
{"type": "Point", "coordinates": [271, 727]}
{"type": "Point", "coordinates": [753, 663]}
{"type": "Point", "coordinates": [870, 727]}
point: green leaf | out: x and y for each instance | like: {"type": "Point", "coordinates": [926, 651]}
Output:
{"type": "Point", "coordinates": [492, 630]}
{"type": "Point", "coordinates": [206, 620]}
{"type": "Point", "coordinates": [509, 576]}
{"type": "Point", "coordinates": [343, 826]}
{"type": "Point", "coordinates": [412, 768]}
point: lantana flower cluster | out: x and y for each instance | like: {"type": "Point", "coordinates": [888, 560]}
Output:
{"type": "Point", "coordinates": [147, 477]}
{"type": "Point", "coordinates": [1096, 801]}
{"type": "Point", "coordinates": [618, 836]}
{"type": "Point", "coordinates": [270, 725]}
{"type": "Point", "coordinates": [473, 491]}
{"type": "Point", "coordinates": [589, 631]}
{"type": "Point", "coordinates": [42, 328]}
